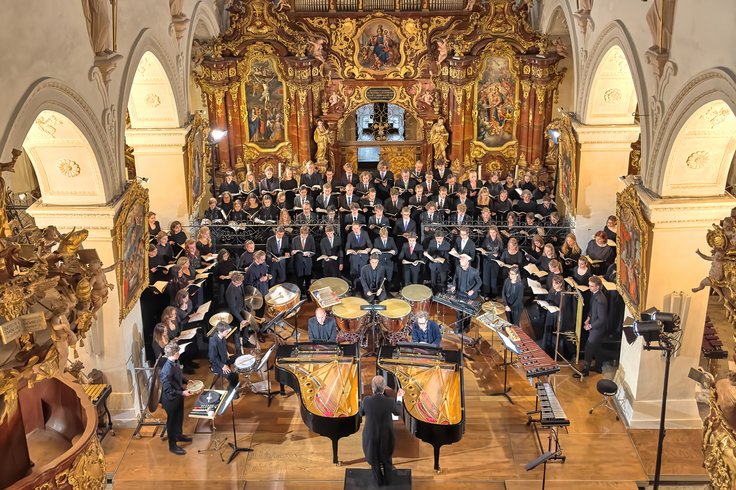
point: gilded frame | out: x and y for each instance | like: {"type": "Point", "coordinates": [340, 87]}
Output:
{"type": "Point", "coordinates": [357, 47]}
{"type": "Point", "coordinates": [132, 241]}
{"type": "Point", "coordinates": [567, 155]}
{"type": "Point", "coordinates": [198, 155]}
{"type": "Point", "coordinates": [632, 244]}
{"type": "Point", "coordinates": [498, 49]}
{"type": "Point", "coordinates": [260, 52]}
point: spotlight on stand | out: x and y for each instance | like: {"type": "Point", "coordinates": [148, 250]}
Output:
{"type": "Point", "coordinates": [658, 330]}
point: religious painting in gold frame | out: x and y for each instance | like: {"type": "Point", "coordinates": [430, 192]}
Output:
{"type": "Point", "coordinates": [566, 165]}
{"type": "Point", "coordinates": [132, 241]}
{"type": "Point", "coordinates": [632, 244]}
{"type": "Point", "coordinates": [263, 93]}
{"type": "Point", "coordinates": [379, 47]}
{"type": "Point", "coordinates": [496, 111]}
{"type": "Point", "coordinates": [198, 154]}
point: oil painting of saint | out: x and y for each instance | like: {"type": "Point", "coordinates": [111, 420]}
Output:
{"type": "Point", "coordinates": [264, 98]}
{"type": "Point", "coordinates": [379, 46]}
{"type": "Point", "coordinates": [496, 103]}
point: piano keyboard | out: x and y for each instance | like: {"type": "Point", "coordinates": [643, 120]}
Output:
{"type": "Point", "coordinates": [551, 413]}
{"type": "Point", "coordinates": [536, 362]}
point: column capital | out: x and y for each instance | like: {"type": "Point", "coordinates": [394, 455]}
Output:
{"type": "Point", "coordinates": [678, 212]}
{"type": "Point", "coordinates": [99, 220]}
{"type": "Point", "coordinates": [608, 135]}
{"type": "Point", "coordinates": [152, 141]}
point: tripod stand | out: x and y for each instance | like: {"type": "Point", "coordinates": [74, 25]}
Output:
{"type": "Point", "coordinates": [233, 445]}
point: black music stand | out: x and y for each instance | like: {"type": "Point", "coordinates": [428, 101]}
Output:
{"type": "Point", "coordinates": [372, 308]}
{"type": "Point", "coordinates": [508, 346]}
{"type": "Point", "coordinates": [234, 445]}
{"type": "Point", "coordinates": [264, 361]}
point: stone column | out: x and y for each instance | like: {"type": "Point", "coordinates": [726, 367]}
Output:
{"type": "Point", "coordinates": [160, 156]}
{"type": "Point", "coordinates": [603, 158]}
{"type": "Point", "coordinates": [110, 342]}
{"type": "Point", "coordinates": [679, 227]}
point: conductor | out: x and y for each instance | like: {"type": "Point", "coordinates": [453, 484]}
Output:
{"type": "Point", "coordinates": [378, 434]}
{"type": "Point", "coordinates": [322, 328]}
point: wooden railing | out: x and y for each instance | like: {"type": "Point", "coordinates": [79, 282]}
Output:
{"type": "Point", "coordinates": [309, 6]}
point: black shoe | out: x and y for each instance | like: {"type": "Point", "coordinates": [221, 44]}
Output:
{"type": "Point", "coordinates": [177, 450]}
{"type": "Point", "coordinates": [185, 439]}
{"type": "Point", "coordinates": [582, 374]}
{"type": "Point", "coordinates": [597, 369]}
{"type": "Point", "coordinates": [188, 370]}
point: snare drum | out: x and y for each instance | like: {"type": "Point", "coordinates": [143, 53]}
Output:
{"type": "Point", "coordinates": [348, 315]}
{"type": "Point", "coordinates": [396, 315]}
{"type": "Point", "coordinates": [282, 297]}
{"type": "Point", "coordinates": [245, 363]}
{"type": "Point", "coordinates": [418, 296]}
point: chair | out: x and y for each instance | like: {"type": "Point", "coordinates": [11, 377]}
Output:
{"type": "Point", "coordinates": [608, 389]}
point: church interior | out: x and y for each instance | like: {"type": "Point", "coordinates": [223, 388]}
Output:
{"type": "Point", "coordinates": [325, 244]}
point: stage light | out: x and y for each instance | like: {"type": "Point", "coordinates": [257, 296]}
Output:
{"type": "Point", "coordinates": [22, 196]}
{"type": "Point", "coordinates": [217, 134]}
{"type": "Point", "coordinates": [554, 135]}
{"type": "Point", "coordinates": [653, 325]}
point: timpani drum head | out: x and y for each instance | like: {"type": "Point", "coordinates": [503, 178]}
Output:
{"type": "Point", "coordinates": [395, 308]}
{"type": "Point", "coordinates": [339, 286]}
{"type": "Point", "coordinates": [349, 309]}
{"type": "Point", "coordinates": [245, 362]}
{"type": "Point", "coordinates": [416, 292]}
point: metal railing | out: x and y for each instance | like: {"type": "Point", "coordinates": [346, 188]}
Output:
{"type": "Point", "coordinates": [311, 6]}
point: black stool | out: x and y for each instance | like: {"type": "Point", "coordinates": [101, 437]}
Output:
{"type": "Point", "coordinates": [608, 389]}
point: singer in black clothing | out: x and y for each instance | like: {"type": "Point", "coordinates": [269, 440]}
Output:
{"type": "Point", "coordinates": [372, 278]}
{"type": "Point", "coordinates": [466, 285]}
{"type": "Point", "coordinates": [234, 296]}
{"type": "Point", "coordinates": [512, 296]}
{"type": "Point", "coordinates": [595, 324]}
{"type": "Point", "coordinates": [331, 246]}
{"type": "Point", "coordinates": [172, 397]}
{"type": "Point", "coordinates": [220, 362]}
{"type": "Point", "coordinates": [378, 433]}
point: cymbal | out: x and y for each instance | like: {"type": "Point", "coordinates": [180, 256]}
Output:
{"type": "Point", "coordinates": [251, 319]}
{"type": "Point", "coordinates": [253, 299]}
{"type": "Point", "coordinates": [493, 307]}
{"type": "Point", "coordinates": [221, 317]}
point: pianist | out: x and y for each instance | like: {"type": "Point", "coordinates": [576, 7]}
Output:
{"type": "Point", "coordinates": [322, 328]}
{"type": "Point", "coordinates": [425, 331]}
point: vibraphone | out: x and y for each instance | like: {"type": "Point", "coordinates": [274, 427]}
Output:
{"type": "Point", "coordinates": [98, 394]}
{"type": "Point", "coordinates": [468, 306]}
{"type": "Point", "coordinates": [712, 345]}
{"type": "Point", "coordinates": [536, 362]}
{"type": "Point", "coordinates": [548, 414]}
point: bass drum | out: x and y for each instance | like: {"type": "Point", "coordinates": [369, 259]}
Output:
{"type": "Point", "coordinates": [396, 315]}
{"type": "Point", "coordinates": [348, 315]}
{"type": "Point", "coordinates": [282, 297]}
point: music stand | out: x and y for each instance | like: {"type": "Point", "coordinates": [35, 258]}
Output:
{"type": "Point", "coordinates": [508, 346]}
{"type": "Point", "coordinates": [372, 308]}
{"type": "Point", "coordinates": [264, 362]}
{"type": "Point", "coordinates": [557, 357]}
{"type": "Point", "coordinates": [223, 406]}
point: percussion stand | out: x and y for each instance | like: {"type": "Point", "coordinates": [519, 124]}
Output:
{"type": "Point", "coordinates": [560, 359]}
{"type": "Point", "coordinates": [373, 321]}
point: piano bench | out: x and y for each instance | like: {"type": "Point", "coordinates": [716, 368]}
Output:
{"type": "Point", "coordinates": [608, 389]}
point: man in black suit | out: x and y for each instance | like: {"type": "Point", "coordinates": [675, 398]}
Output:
{"type": "Point", "coordinates": [372, 278]}
{"type": "Point", "coordinates": [331, 246]}
{"type": "Point", "coordinates": [595, 324]}
{"type": "Point", "coordinates": [383, 180]}
{"type": "Point", "coordinates": [378, 433]}
{"type": "Point", "coordinates": [349, 177]}
{"type": "Point", "coordinates": [220, 361]}
{"type": "Point", "coordinates": [312, 178]}
{"type": "Point", "coordinates": [387, 246]}
{"type": "Point", "coordinates": [439, 248]}
{"type": "Point", "coordinates": [411, 251]}
{"type": "Point", "coordinates": [404, 225]}
{"type": "Point", "coordinates": [356, 242]}
{"type": "Point", "coordinates": [466, 285]}
{"type": "Point", "coordinates": [321, 328]}
{"type": "Point", "coordinates": [234, 295]}
{"type": "Point", "coordinates": [172, 397]}
{"type": "Point", "coordinates": [277, 247]}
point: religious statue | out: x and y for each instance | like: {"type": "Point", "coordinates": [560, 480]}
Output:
{"type": "Point", "coordinates": [61, 331]}
{"type": "Point", "coordinates": [5, 228]}
{"type": "Point", "coordinates": [583, 15]}
{"type": "Point", "coordinates": [533, 11]}
{"type": "Point", "coordinates": [469, 6]}
{"type": "Point", "coordinates": [322, 137]}
{"type": "Point", "coordinates": [98, 283]}
{"type": "Point", "coordinates": [660, 18]}
{"type": "Point", "coordinates": [438, 138]}
{"type": "Point", "coordinates": [99, 26]}
{"type": "Point", "coordinates": [443, 49]}
{"type": "Point", "coordinates": [560, 48]}
{"type": "Point", "coordinates": [318, 49]}
{"type": "Point", "coordinates": [175, 7]}
{"type": "Point", "coordinates": [334, 98]}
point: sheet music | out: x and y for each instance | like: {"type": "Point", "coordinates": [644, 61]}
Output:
{"type": "Point", "coordinates": [200, 313]}
{"type": "Point", "coordinates": [188, 334]}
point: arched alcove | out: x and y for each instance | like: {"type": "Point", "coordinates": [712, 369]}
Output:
{"type": "Point", "coordinates": [204, 27]}
{"type": "Point", "coordinates": [558, 30]}
{"type": "Point", "coordinates": [612, 97]}
{"type": "Point", "coordinates": [152, 103]}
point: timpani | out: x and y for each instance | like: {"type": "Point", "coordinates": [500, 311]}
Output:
{"type": "Point", "coordinates": [339, 287]}
{"type": "Point", "coordinates": [348, 315]}
{"type": "Point", "coordinates": [282, 297]}
{"type": "Point", "coordinates": [396, 315]}
{"type": "Point", "coordinates": [418, 296]}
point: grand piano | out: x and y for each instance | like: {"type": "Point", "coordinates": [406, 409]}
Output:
{"type": "Point", "coordinates": [326, 376]}
{"type": "Point", "coordinates": [434, 402]}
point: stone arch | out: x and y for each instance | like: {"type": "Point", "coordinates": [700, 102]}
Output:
{"type": "Point", "coordinates": [557, 12]}
{"type": "Point", "coordinates": [204, 26]}
{"type": "Point", "coordinates": [164, 75]}
{"type": "Point", "coordinates": [697, 139]}
{"type": "Point", "coordinates": [82, 140]}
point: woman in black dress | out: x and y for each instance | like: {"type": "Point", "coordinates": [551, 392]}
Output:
{"type": "Point", "coordinates": [154, 227]}
{"type": "Point", "coordinates": [177, 281]}
{"type": "Point", "coordinates": [570, 252]}
{"type": "Point", "coordinates": [237, 215]}
{"type": "Point", "coordinates": [176, 233]}
{"type": "Point", "coordinates": [601, 252]}
{"type": "Point", "coordinates": [164, 247]}
{"type": "Point", "coordinates": [251, 206]}
{"type": "Point", "coordinates": [204, 241]}
{"type": "Point", "coordinates": [288, 184]}
{"type": "Point", "coordinates": [226, 203]}
{"type": "Point", "coordinates": [512, 256]}
{"type": "Point", "coordinates": [160, 339]}
{"type": "Point", "coordinates": [493, 245]}
{"type": "Point", "coordinates": [222, 273]}
{"type": "Point", "coordinates": [512, 296]}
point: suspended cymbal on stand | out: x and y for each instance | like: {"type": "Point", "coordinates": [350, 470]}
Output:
{"type": "Point", "coordinates": [251, 319]}
{"type": "Point", "coordinates": [253, 299]}
{"type": "Point", "coordinates": [221, 317]}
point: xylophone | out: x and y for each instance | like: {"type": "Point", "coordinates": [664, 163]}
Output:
{"type": "Point", "coordinates": [98, 394]}
{"type": "Point", "coordinates": [536, 362]}
{"type": "Point", "coordinates": [712, 345]}
{"type": "Point", "coordinates": [468, 306]}
{"type": "Point", "coordinates": [551, 413]}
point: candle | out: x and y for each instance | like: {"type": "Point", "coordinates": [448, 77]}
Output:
{"type": "Point", "coordinates": [279, 169]}
{"type": "Point", "coordinates": [480, 176]}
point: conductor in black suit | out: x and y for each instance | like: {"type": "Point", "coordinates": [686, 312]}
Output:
{"type": "Point", "coordinates": [220, 361]}
{"type": "Point", "coordinates": [322, 328]}
{"type": "Point", "coordinates": [595, 324]}
{"type": "Point", "coordinates": [378, 434]}
{"type": "Point", "coordinates": [173, 391]}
